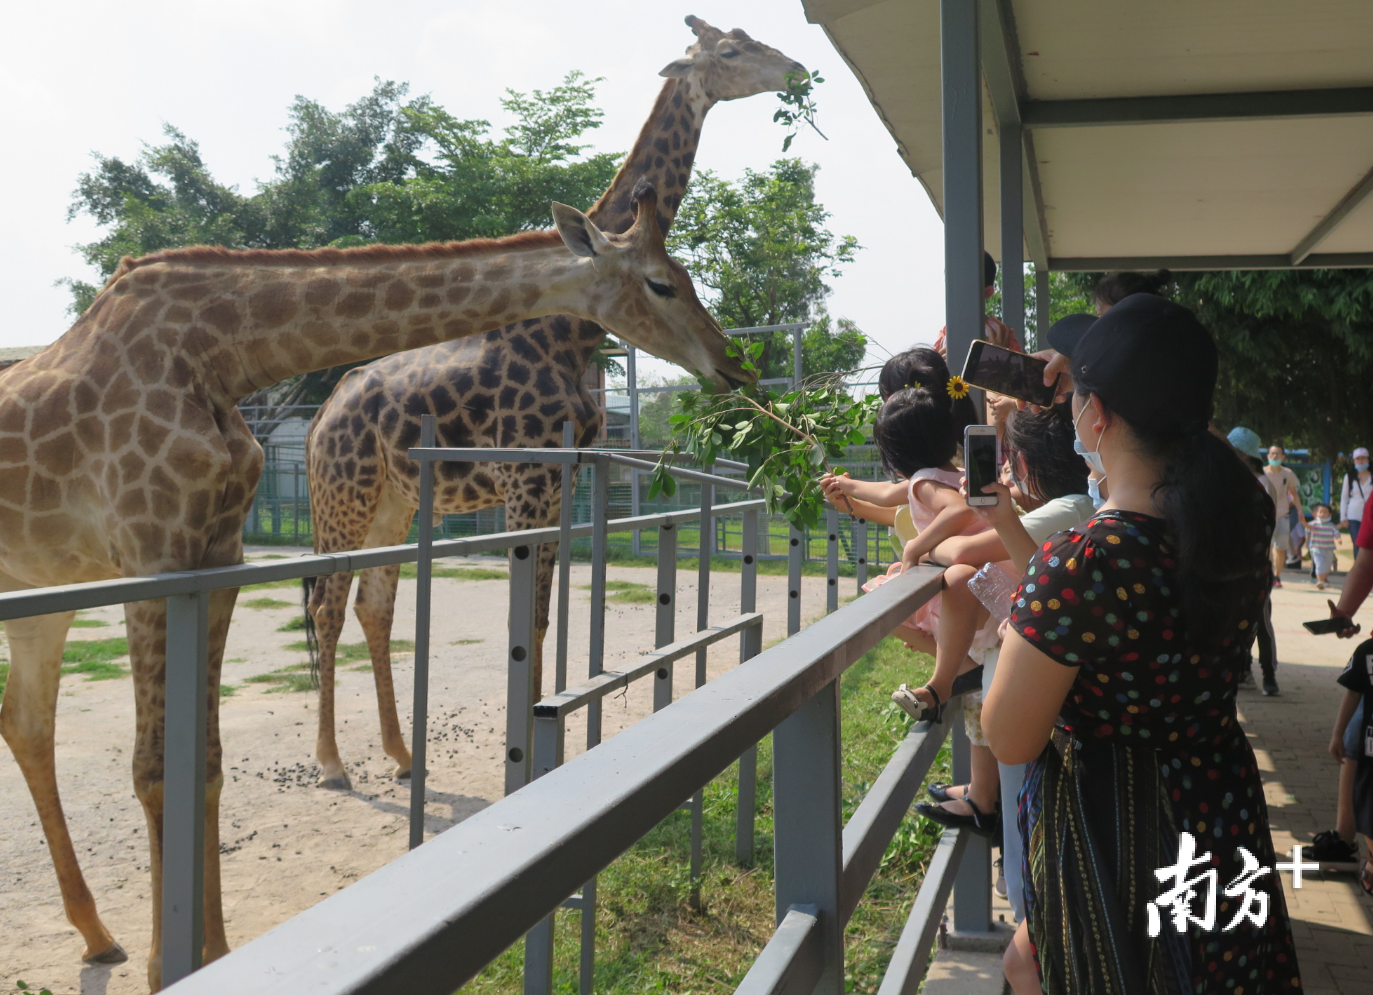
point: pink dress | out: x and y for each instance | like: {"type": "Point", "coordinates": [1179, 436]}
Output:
{"type": "Point", "coordinates": [926, 617]}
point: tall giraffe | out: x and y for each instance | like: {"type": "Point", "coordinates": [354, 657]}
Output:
{"type": "Point", "coordinates": [122, 451]}
{"type": "Point", "coordinates": [512, 387]}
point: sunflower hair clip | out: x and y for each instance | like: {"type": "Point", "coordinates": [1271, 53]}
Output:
{"type": "Point", "coordinates": [957, 388]}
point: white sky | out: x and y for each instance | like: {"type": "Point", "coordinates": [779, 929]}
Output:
{"type": "Point", "coordinates": [82, 76]}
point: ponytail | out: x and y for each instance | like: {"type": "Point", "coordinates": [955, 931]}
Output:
{"type": "Point", "coordinates": [1220, 524]}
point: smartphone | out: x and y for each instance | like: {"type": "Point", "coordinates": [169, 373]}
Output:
{"type": "Point", "coordinates": [980, 461]}
{"type": "Point", "coordinates": [1325, 626]}
{"type": "Point", "coordinates": [1014, 374]}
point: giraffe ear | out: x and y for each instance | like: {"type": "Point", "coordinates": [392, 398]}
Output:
{"type": "Point", "coordinates": [578, 232]}
{"type": "Point", "coordinates": [677, 68]}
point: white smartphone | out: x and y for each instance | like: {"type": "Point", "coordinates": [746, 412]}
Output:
{"type": "Point", "coordinates": [980, 461]}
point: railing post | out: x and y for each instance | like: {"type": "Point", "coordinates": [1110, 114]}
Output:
{"type": "Point", "coordinates": [832, 560]}
{"type": "Point", "coordinates": [750, 644]}
{"type": "Point", "coordinates": [794, 555]}
{"type": "Point", "coordinates": [569, 478]}
{"type": "Point", "coordinates": [538, 942]}
{"type": "Point", "coordinates": [705, 551]}
{"type": "Point", "coordinates": [807, 817]}
{"type": "Point", "coordinates": [183, 810]}
{"type": "Point", "coordinates": [600, 511]}
{"type": "Point", "coordinates": [665, 627]}
{"type": "Point", "coordinates": [860, 543]}
{"type": "Point", "coordinates": [423, 588]}
{"type": "Point", "coordinates": [520, 691]}
{"type": "Point", "coordinates": [972, 894]}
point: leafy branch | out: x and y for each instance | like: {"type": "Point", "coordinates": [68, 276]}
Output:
{"type": "Point", "coordinates": [798, 105]}
{"type": "Point", "coordinates": [784, 438]}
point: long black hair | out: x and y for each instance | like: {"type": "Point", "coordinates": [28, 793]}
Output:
{"type": "Point", "coordinates": [920, 426]}
{"type": "Point", "coordinates": [1220, 525]}
{"type": "Point", "coordinates": [1052, 468]}
{"type": "Point", "coordinates": [1114, 287]}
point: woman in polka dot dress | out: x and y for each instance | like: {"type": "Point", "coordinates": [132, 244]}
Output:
{"type": "Point", "coordinates": [1117, 680]}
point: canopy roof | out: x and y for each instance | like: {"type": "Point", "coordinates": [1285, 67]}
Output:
{"type": "Point", "coordinates": [1217, 135]}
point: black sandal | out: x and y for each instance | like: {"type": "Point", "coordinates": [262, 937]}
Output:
{"type": "Point", "coordinates": [980, 822]}
{"type": "Point", "coordinates": [939, 791]}
{"type": "Point", "coordinates": [917, 709]}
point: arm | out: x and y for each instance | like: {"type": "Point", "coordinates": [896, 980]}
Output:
{"type": "Point", "coordinates": [863, 509]}
{"type": "Point", "coordinates": [1357, 583]}
{"type": "Point", "coordinates": [985, 547]}
{"type": "Point", "coordinates": [951, 517]}
{"type": "Point", "coordinates": [879, 492]}
{"type": "Point", "coordinates": [1294, 493]}
{"type": "Point", "coordinates": [1002, 517]}
{"type": "Point", "coordinates": [1344, 499]}
{"type": "Point", "coordinates": [1346, 712]}
{"type": "Point", "coordinates": [1025, 697]}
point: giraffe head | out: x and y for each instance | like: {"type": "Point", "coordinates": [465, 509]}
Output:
{"type": "Point", "coordinates": [645, 296]}
{"type": "Point", "coordinates": [731, 65]}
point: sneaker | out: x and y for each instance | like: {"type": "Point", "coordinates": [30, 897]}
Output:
{"type": "Point", "coordinates": [1277, 582]}
{"type": "Point", "coordinates": [1000, 877]}
{"type": "Point", "coordinates": [1270, 688]}
{"type": "Point", "coordinates": [1247, 680]}
{"type": "Point", "coordinates": [1327, 847]}
{"type": "Point", "coordinates": [1320, 585]}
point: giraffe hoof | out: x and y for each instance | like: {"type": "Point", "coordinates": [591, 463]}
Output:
{"type": "Point", "coordinates": [114, 955]}
{"type": "Point", "coordinates": [340, 783]}
{"type": "Point", "coordinates": [402, 773]}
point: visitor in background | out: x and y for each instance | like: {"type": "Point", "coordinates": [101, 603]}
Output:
{"type": "Point", "coordinates": [1321, 535]}
{"type": "Point", "coordinates": [1114, 287]}
{"type": "Point", "coordinates": [1354, 494]}
{"type": "Point", "coordinates": [995, 331]}
{"type": "Point", "coordinates": [1284, 489]}
{"type": "Point", "coordinates": [1245, 442]}
{"type": "Point", "coordinates": [1357, 680]}
{"type": "Point", "coordinates": [1161, 589]}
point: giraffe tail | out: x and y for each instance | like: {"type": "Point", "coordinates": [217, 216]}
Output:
{"type": "Point", "coordinates": [307, 590]}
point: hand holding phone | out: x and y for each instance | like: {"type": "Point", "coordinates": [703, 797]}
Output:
{"type": "Point", "coordinates": [1014, 374]}
{"type": "Point", "coordinates": [980, 462]}
{"type": "Point", "coordinates": [1325, 626]}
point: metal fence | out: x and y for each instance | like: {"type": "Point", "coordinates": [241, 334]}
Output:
{"type": "Point", "coordinates": [431, 919]}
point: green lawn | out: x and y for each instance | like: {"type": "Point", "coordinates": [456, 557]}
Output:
{"type": "Point", "coordinates": [648, 937]}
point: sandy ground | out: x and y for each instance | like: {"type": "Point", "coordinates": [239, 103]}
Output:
{"type": "Point", "coordinates": [271, 812]}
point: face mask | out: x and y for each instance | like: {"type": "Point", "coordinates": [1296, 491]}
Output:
{"type": "Point", "coordinates": [1093, 458]}
{"type": "Point", "coordinates": [1363, 465]}
{"type": "Point", "coordinates": [1094, 492]}
{"type": "Point", "coordinates": [1274, 461]}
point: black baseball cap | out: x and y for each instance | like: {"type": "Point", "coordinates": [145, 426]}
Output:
{"type": "Point", "coordinates": [1148, 359]}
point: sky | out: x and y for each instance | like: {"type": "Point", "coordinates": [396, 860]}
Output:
{"type": "Point", "coordinates": [83, 77]}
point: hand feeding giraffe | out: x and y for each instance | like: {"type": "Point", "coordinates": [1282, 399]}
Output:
{"type": "Point", "coordinates": [122, 452]}
{"type": "Point", "coordinates": [512, 387]}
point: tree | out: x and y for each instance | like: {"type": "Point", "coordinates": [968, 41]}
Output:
{"type": "Point", "coordinates": [1067, 295]}
{"type": "Point", "coordinates": [383, 169]}
{"type": "Point", "coordinates": [761, 253]}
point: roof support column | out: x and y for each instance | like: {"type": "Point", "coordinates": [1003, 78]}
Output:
{"type": "Point", "coordinates": [961, 93]}
{"type": "Point", "coordinates": [1012, 229]}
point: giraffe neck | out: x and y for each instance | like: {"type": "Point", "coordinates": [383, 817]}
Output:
{"type": "Point", "coordinates": [664, 153]}
{"type": "Point", "coordinates": [254, 319]}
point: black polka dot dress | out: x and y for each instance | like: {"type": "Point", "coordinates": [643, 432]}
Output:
{"type": "Point", "coordinates": [1148, 747]}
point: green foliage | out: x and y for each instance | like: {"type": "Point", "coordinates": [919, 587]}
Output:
{"type": "Point", "coordinates": [88, 623]}
{"type": "Point", "coordinates": [798, 105]}
{"type": "Point", "coordinates": [23, 986]}
{"type": "Point", "coordinates": [295, 623]}
{"type": "Point", "coordinates": [296, 677]}
{"type": "Point", "coordinates": [786, 439]}
{"type": "Point", "coordinates": [627, 592]}
{"type": "Point", "coordinates": [409, 571]}
{"type": "Point", "coordinates": [262, 603]}
{"type": "Point", "coordinates": [760, 253]}
{"type": "Point", "coordinates": [95, 658]}
{"type": "Point", "coordinates": [1068, 294]}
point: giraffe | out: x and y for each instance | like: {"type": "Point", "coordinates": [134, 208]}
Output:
{"type": "Point", "coordinates": [512, 387]}
{"type": "Point", "coordinates": [122, 452]}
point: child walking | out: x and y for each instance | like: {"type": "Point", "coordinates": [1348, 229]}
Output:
{"type": "Point", "coordinates": [1357, 680]}
{"type": "Point", "coordinates": [1321, 535]}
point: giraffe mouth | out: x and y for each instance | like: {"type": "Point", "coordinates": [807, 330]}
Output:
{"type": "Point", "coordinates": [732, 382]}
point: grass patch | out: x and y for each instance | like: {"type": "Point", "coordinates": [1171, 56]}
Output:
{"type": "Point", "coordinates": [272, 585]}
{"type": "Point", "coordinates": [353, 652]}
{"type": "Point", "coordinates": [272, 556]}
{"type": "Point", "coordinates": [295, 624]}
{"type": "Point", "coordinates": [264, 603]}
{"type": "Point", "coordinates": [649, 939]}
{"type": "Point", "coordinates": [95, 658]}
{"type": "Point", "coordinates": [227, 690]}
{"type": "Point", "coordinates": [626, 592]}
{"type": "Point", "coordinates": [4, 677]}
{"type": "Point", "coordinates": [88, 623]}
{"type": "Point", "coordinates": [465, 642]}
{"type": "Point", "coordinates": [293, 678]}
{"type": "Point", "coordinates": [409, 571]}
{"type": "Point", "coordinates": [722, 564]}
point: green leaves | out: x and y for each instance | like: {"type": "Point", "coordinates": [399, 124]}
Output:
{"type": "Point", "coordinates": [798, 105]}
{"type": "Point", "coordinates": [784, 438]}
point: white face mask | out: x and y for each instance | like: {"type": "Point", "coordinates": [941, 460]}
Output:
{"type": "Point", "coordinates": [1361, 465]}
{"type": "Point", "coordinates": [1094, 492]}
{"type": "Point", "coordinates": [1093, 458]}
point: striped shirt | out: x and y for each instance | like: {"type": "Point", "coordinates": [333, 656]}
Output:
{"type": "Point", "coordinates": [1321, 535]}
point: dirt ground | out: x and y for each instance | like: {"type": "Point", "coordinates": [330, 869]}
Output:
{"type": "Point", "coordinates": [271, 812]}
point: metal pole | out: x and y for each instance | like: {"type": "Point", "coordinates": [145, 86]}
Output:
{"type": "Point", "coordinates": [1012, 226]}
{"type": "Point", "coordinates": [860, 543]}
{"type": "Point", "coordinates": [183, 812]}
{"type": "Point", "coordinates": [665, 627]}
{"type": "Point", "coordinates": [423, 588]}
{"type": "Point", "coordinates": [972, 896]}
{"type": "Point", "coordinates": [587, 966]}
{"type": "Point", "coordinates": [750, 644]}
{"type": "Point", "coordinates": [520, 690]}
{"type": "Point", "coordinates": [632, 384]}
{"type": "Point", "coordinates": [569, 472]}
{"type": "Point", "coordinates": [705, 548]}
{"type": "Point", "coordinates": [961, 93]}
{"type": "Point", "coordinates": [600, 513]}
{"type": "Point", "coordinates": [832, 560]}
{"type": "Point", "coordinates": [1043, 308]}
{"type": "Point", "coordinates": [808, 837]}
{"type": "Point", "coordinates": [794, 581]}
{"type": "Point", "coordinates": [796, 365]}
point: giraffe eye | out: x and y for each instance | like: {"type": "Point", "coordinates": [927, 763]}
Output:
{"type": "Point", "coordinates": [661, 289]}
{"type": "Point", "coordinates": [729, 53]}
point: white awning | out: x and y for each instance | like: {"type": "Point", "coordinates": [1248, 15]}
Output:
{"type": "Point", "coordinates": [1193, 134]}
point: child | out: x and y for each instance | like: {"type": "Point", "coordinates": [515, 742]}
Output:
{"type": "Point", "coordinates": [1321, 536]}
{"type": "Point", "coordinates": [1357, 681]}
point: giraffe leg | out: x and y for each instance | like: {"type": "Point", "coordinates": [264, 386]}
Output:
{"type": "Point", "coordinates": [27, 721]}
{"type": "Point", "coordinates": [375, 608]}
{"type": "Point", "coordinates": [327, 607]}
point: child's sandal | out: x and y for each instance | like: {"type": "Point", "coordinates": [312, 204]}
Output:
{"type": "Point", "coordinates": [917, 709]}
